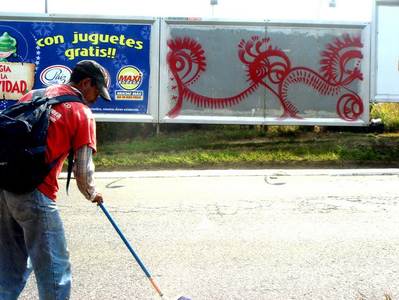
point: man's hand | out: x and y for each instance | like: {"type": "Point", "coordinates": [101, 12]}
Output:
{"type": "Point", "coordinates": [98, 199]}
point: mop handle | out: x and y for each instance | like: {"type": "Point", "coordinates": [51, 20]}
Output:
{"type": "Point", "coordinates": [136, 257]}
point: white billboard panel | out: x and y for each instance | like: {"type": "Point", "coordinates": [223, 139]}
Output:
{"type": "Point", "coordinates": [385, 69]}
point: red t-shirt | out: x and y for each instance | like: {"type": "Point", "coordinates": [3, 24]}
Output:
{"type": "Point", "coordinates": [72, 125]}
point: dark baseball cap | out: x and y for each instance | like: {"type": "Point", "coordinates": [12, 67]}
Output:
{"type": "Point", "coordinates": [98, 73]}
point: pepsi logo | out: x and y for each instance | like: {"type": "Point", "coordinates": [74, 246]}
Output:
{"type": "Point", "coordinates": [57, 74]}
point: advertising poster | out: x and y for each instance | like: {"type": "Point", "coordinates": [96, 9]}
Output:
{"type": "Point", "coordinates": [39, 54]}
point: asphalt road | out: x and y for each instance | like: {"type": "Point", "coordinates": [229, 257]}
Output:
{"type": "Point", "coordinates": [322, 234]}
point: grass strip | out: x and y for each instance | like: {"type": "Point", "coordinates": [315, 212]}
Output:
{"type": "Point", "coordinates": [226, 149]}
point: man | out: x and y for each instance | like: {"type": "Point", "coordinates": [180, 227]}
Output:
{"type": "Point", "coordinates": [30, 225]}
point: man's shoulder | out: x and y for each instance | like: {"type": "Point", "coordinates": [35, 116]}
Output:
{"type": "Point", "coordinates": [51, 92]}
{"type": "Point", "coordinates": [75, 107]}
{"type": "Point", "coordinates": [61, 90]}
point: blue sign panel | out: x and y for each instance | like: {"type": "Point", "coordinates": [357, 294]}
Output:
{"type": "Point", "coordinates": [39, 54]}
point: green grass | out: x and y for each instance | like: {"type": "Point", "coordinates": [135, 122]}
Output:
{"type": "Point", "coordinates": [388, 113]}
{"type": "Point", "coordinates": [280, 147]}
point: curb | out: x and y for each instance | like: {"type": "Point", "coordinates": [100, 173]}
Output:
{"type": "Point", "coordinates": [242, 172]}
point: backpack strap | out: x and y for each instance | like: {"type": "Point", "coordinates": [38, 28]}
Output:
{"type": "Point", "coordinates": [63, 99]}
{"type": "Point", "coordinates": [38, 93]}
{"type": "Point", "coordinates": [71, 162]}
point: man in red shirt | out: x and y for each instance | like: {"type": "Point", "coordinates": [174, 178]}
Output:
{"type": "Point", "coordinates": [31, 231]}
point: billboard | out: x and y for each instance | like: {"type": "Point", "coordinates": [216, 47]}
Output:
{"type": "Point", "coordinates": [264, 73]}
{"type": "Point", "coordinates": [40, 52]}
{"type": "Point", "coordinates": [198, 71]}
{"type": "Point", "coordinates": [385, 56]}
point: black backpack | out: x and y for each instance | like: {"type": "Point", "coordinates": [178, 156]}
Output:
{"type": "Point", "coordinates": [23, 134]}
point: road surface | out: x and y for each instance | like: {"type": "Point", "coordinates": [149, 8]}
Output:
{"type": "Point", "coordinates": [250, 234]}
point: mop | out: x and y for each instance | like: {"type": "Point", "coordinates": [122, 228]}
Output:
{"type": "Point", "coordinates": [136, 257]}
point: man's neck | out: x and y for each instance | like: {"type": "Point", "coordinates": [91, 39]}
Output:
{"type": "Point", "coordinates": [76, 89]}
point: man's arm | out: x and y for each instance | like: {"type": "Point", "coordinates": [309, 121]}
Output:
{"type": "Point", "coordinates": [84, 174]}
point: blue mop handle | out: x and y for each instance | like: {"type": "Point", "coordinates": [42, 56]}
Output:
{"type": "Point", "coordinates": [125, 240]}
{"type": "Point", "coordinates": [137, 258]}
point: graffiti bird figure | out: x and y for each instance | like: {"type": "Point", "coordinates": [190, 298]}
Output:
{"type": "Point", "coordinates": [339, 68]}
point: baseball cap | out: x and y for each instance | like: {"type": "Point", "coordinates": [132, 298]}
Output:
{"type": "Point", "coordinates": [97, 72]}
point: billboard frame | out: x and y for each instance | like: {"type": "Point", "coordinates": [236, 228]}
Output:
{"type": "Point", "coordinates": [153, 94]}
{"type": "Point", "coordinates": [159, 69]}
{"type": "Point", "coordinates": [365, 27]}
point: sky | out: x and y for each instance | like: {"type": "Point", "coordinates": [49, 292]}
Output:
{"type": "Point", "coordinates": [318, 10]}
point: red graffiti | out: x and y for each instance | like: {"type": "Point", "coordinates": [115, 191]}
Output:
{"type": "Point", "coordinates": [186, 62]}
{"type": "Point", "coordinates": [271, 68]}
